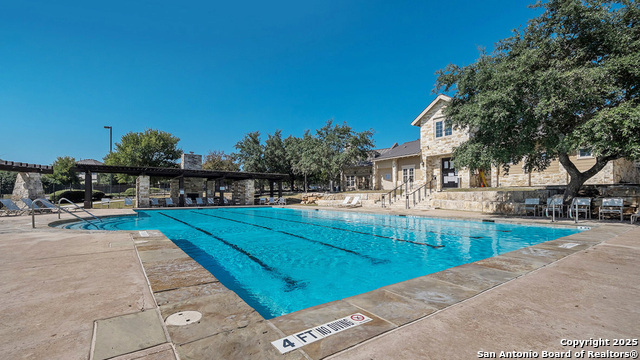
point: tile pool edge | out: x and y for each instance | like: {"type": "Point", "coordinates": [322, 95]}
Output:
{"type": "Point", "coordinates": [179, 283]}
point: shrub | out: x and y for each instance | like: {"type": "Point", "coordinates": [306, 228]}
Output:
{"type": "Point", "coordinates": [75, 196]}
{"type": "Point", "coordinates": [130, 192]}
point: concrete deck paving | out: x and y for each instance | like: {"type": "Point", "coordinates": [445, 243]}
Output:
{"type": "Point", "coordinates": [95, 294]}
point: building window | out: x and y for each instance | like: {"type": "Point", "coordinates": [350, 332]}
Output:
{"type": "Point", "coordinates": [407, 174]}
{"type": "Point", "coordinates": [443, 129]}
{"type": "Point", "coordinates": [351, 181]}
{"type": "Point", "coordinates": [584, 153]}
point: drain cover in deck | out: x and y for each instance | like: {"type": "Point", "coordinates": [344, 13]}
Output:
{"type": "Point", "coordinates": [183, 318]}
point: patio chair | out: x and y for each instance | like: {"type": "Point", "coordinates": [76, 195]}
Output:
{"type": "Point", "coordinates": [611, 206]}
{"type": "Point", "coordinates": [554, 204]}
{"type": "Point", "coordinates": [580, 205]}
{"type": "Point", "coordinates": [533, 205]}
{"type": "Point", "coordinates": [634, 217]}
{"type": "Point", "coordinates": [211, 201]}
{"type": "Point", "coordinates": [31, 205]}
{"type": "Point", "coordinates": [169, 202]}
{"type": "Point", "coordinates": [272, 201]}
{"type": "Point", "coordinates": [9, 207]}
{"type": "Point", "coordinates": [282, 201]}
{"type": "Point", "coordinates": [262, 201]}
{"type": "Point", "coordinates": [128, 202]}
{"type": "Point", "coordinates": [48, 205]}
{"type": "Point", "coordinates": [356, 202]}
{"type": "Point", "coordinates": [345, 202]}
{"type": "Point", "coordinates": [154, 202]}
{"type": "Point", "coordinates": [199, 201]}
{"type": "Point", "coordinates": [188, 201]}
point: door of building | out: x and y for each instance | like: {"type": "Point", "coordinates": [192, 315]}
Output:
{"type": "Point", "coordinates": [449, 174]}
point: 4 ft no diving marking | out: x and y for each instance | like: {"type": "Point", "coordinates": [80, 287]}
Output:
{"type": "Point", "coordinates": [314, 334]}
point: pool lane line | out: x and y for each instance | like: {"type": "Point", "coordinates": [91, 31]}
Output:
{"type": "Point", "coordinates": [407, 228]}
{"type": "Point", "coordinates": [291, 283]}
{"type": "Point", "coordinates": [372, 259]}
{"type": "Point", "coordinates": [337, 228]}
{"type": "Point", "coordinates": [389, 226]}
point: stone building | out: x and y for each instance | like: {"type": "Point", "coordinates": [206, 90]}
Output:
{"type": "Point", "coordinates": [359, 176]}
{"type": "Point", "coordinates": [438, 139]}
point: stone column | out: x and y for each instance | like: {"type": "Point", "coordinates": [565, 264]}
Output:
{"type": "Point", "coordinates": [394, 172]}
{"type": "Point", "coordinates": [28, 185]}
{"type": "Point", "coordinates": [143, 184]}
{"type": "Point", "coordinates": [249, 191]}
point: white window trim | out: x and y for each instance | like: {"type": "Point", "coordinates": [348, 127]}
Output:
{"type": "Point", "coordinates": [444, 133]}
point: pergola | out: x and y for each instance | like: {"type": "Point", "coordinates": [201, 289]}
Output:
{"type": "Point", "coordinates": [88, 169]}
{"type": "Point", "coordinates": [25, 167]}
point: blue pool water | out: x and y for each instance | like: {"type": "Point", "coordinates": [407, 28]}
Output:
{"type": "Point", "coordinates": [283, 260]}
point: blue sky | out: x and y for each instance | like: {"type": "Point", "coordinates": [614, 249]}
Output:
{"type": "Point", "coordinates": [209, 71]}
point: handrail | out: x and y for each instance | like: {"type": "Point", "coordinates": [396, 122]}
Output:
{"type": "Point", "coordinates": [413, 195]}
{"type": "Point", "coordinates": [76, 205]}
{"type": "Point", "coordinates": [395, 192]}
{"type": "Point", "coordinates": [33, 213]}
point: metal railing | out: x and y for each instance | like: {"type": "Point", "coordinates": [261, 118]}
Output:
{"type": "Point", "coordinates": [44, 203]}
{"type": "Point", "coordinates": [407, 186]}
{"type": "Point", "coordinates": [418, 195]}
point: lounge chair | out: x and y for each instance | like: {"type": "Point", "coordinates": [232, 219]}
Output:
{"type": "Point", "coordinates": [211, 201]}
{"type": "Point", "coordinates": [356, 202]}
{"type": "Point", "coordinates": [188, 201]}
{"type": "Point", "coordinates": [282, 201]}
{"type": "Point", "coordinates": [31, 205]}
{"type": "Point", "coordinates": [262, 201]}
{"type": "Point", "coordinates": [105, 201]}
{"type": "Point", "coordinates": [634, 217]}
{"type": "Point", "coordinates": [611, 206]}
{"type": "Point", "coordinates": [154, 202]}
{"type": "Point", "coordinates": [533, 205]}
{"type": "Point", "coordinates": [169, 202]}
{"type": "Point", "coordinates": [128, 202]}
{"type": "Point", "coordinates": [554, 204]}
{"type": "Point", "coordinates": [580, 205]}
{"type": "Point", "coordinates": [48, 205]}
{"type": "Point", "coordinates": [9, 207]}
{"type": "Point", "coordinates": [345, 202]}
{"type": "Point", "coordinates": [199, 201]}
{"type": "Point", "coordinates": [272, 201]}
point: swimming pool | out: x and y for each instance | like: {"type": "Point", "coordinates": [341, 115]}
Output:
{"type": "Point", "coordinates": [282, 260]}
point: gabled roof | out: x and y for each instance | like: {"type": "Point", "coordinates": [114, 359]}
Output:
{"type": "Point", "coordinates": [441, 97]}
{"type": "Point", "coordinates": [90, 162]}
{"type": "Point", "coordinates": [407, 149]}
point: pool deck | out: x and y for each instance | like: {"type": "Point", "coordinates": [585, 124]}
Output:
{"type": "Point", "coordinates": [75, 294]}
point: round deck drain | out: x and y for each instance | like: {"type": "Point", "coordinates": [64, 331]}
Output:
{"type": "Point", "coordinates": [183, 318]}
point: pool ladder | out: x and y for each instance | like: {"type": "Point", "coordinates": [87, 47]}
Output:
{"type": "Point", "coordinates": [60, 208]}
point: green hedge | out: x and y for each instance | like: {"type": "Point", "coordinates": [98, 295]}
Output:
{"type": "Point", "coordinates": [132, 191]}
{"type": "Point", "coordinates": [75, 195]}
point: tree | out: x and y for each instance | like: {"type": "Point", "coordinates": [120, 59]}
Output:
{"type": "Point", "coordinates": [569, 80]}
{"type": "Point", "coordinates": [303, 155]}
{"type": "Point", "coordinates": [275, 155]}
{"type": "Point", "coordinates": [250, 153]}
{"type": "Point", "coordinates": [218, 160]}
{"type": "Point", "coordinates": [341, 146]}
{"type": "Point", "coordinates": [7, 181]}
{"type": "Point", "coordinates": [62, 172]}
{"type": "Point", "coordinates": [153, 148]}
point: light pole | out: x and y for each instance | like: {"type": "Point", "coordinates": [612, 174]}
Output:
{"type": "Point", "coordinates": [110, 151]}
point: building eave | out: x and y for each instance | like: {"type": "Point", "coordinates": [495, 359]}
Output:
{"type": "Point", "coordinates": [441, 97]}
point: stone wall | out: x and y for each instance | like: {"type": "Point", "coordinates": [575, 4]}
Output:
{"type": "Point", "coordinates": [27, 185]}
{"type": "Point", "coordinates": [625, 171]}
{"type": "Point", "coordinates": [512, 202]}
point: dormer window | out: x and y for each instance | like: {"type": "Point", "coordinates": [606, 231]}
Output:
{"type": "Point", "coordinates": [443, 128]}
